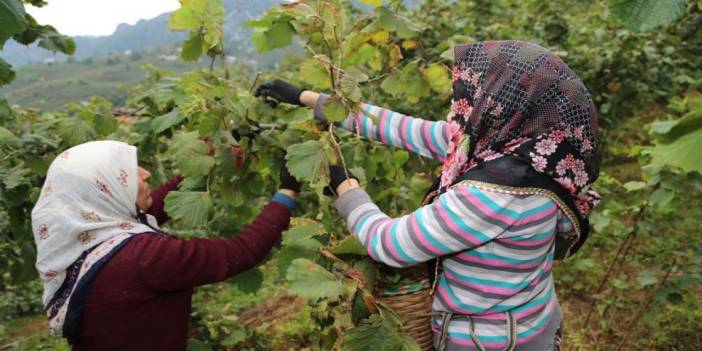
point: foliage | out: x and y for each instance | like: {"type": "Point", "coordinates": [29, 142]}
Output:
{"type": "Point", "coordinates": [229, 146]}
{"type": "Point", "coordinates": [646, 14]}
{"type": "Point", "coordinates": [17, 24]}
{"type": "Point", "coordinates": [679, 140]}
{"type": "Point", "coordinates": [204, 20]}
{"type": "Point", "coordinates": [51, 86]}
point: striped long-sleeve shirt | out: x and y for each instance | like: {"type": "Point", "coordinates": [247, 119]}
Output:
{"type": "Point", "coordinates": [497, 248]}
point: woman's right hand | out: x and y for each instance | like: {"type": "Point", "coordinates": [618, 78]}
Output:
{"type": "Point", "coordinates": [340, 181]}
{"type": "Point", "coordinates": [277, 91]}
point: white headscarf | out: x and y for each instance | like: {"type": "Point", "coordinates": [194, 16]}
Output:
{"type": "Point", "coordinates": [88, 201]}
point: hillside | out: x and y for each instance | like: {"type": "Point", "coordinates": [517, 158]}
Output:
{"type": "Point", "coordinates": [151, 34]}
{"type": "Point", "coordinates": [51, 86]}
{"type": "Point", "coordinates": [103, 66]}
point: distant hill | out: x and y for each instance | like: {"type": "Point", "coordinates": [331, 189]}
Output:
{"type": "Point", "coordinates": [51, 86]}
{"type": "Point", "coordinates": [151, 34]}
{"type": "Point", "coordinates": [104, 66]}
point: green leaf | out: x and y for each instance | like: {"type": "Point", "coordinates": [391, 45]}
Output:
{"type": "Point", "coordinates": [362, 55]}
{"type": "Point", "coordinates": [408, 82]}
{"type": "Point", "coordinates": [643, 15]}
{"type": "Point", "coordinates": [374, 3]}
{"type": "Point", "coordinates": [312, 282]}
{"type": "Point", "coordinates": [391, 21]}
{"type": "Point", "coordinates": [646, 278]}
{"type": "Point", "coordinates": [74, 130]}
{"type": "Point", "coordinates": [272, 31]}
{"type": "Point", "coordinates": [584, 264]}
{"type": "Point", "coordinates": [287, 254]}
{"type": "Point", "coordinates": [279, 35]}
{"type": "Point", "coordinates": [188, 16]}
{"type": "Point", "coordinates": [52, 40]}
{"type": "Point", "coordinates": [308, 161]}
{"type": "Point", "coordinates": [299, 242]}
{"type": "Point", "coordinates": [400, 157]}
{"type": "Point", "coordinates": [661, 197]}
{"type": "Point", "coordinates": [192, 154]}
{"type": "Point", "coordinates": [7, 75]}
{"type": "Point", "coordinates": [634, 185]}
{"type": "Point", "coordinates": [161, 123]}
{"type": "Point", "coordinates": [197, 345]}
{"type": "Point", "coordinates": [662, 127]}
{"type": "Point", "coordinates": [315, 74]}
{"type": "Point", "coordinates": [8, 139]}
{"type": "Point", "coordinates": [250, 281]}
{"type": "Point", "coordinates": [438, 79]}
{"type": "Point", "coordinates": [16, 176]}
{"type": "Point", "coordinates": [349, 84]}
{"type": "Point", "coordinates": [259, 40]}
{"type": "Point", "coordinates": [204, 18]}
{"type": "Point", "coordinates": [5, 109]}
{"type": "Point", "coordinates": [302, 232]}
{"type": "Point", "coordinates": [392, 84]}
{"type": "Point", "coordinates": [349, 245]}
{"type": "Point", "coordinates": [683, 152]}
{"type": "Point", "coordinates": [667, 131]}
{"type": "Point", "coordinates": [236, 336]}
{"type": "Point", "coordinates": [375, 333]}
{"type": "Point", "coordinates": [192, 208]}
{"type": "Point", "coordinates": [192, 48]}
{"type": "Point", "coordinates": [369, 270]}
{"type": "Point", "coordinates": [12, 19]}
{"type": "Point", "coordinates": [105, 123]}
{"type": "Point", "coordinates": [334, 109]}
{"type": "Point", "coordinates": [301, 236]}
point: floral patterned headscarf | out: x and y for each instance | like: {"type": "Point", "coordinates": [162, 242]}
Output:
{"type": "Point", "coordinates": [85, 213]}
{"type": "Point", "coordinates": [516, 98]}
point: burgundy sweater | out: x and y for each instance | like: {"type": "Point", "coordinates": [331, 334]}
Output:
{"type": "Point", "coordinates": [140, 299]}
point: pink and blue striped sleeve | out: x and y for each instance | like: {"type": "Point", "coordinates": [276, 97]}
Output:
{"type": "Point", "coordinates": [461, 219]}
{"type": "Point", "coordinates": [425, 138]}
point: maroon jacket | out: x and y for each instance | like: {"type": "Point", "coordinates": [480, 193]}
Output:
{"type": "Point", "coordinates": [140, 299]}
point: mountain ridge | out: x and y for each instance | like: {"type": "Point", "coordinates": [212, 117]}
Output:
{"type": "Point", "coordinates": [145, 35]}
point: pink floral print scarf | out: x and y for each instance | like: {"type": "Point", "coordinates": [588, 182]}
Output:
{"type": "Point", "coordinates": [514, 98]}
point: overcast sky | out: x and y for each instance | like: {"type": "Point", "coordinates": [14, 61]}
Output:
{"type": "Point", "coordinates": [97, 17]}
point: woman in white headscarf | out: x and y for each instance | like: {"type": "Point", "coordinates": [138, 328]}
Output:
{"type": "Point", "coordinates": [112, 279]}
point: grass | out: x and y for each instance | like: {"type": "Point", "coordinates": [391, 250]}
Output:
{"type": "Point", "coordinates": [29, 333]}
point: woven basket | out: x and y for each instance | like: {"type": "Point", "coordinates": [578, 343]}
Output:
{"type": "Point", "coordinates": [412, 303]}
{"type": "Point", "coordinates": [414, 310]}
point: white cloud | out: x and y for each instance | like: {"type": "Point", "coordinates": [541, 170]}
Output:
{"type": "Point", "coordinates": [97, 17]}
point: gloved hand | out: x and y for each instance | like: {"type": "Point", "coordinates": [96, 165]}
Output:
{"type": "Point", "coordinates": [279, 91]}
{"type": "Point", "coordinates": [287, 181]}
{"type": "Point", "coordinates": [337, 175]}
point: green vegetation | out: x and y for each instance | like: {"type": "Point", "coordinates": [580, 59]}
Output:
{"type": "Point", "coordinates": [52, 86]}
{"type": "Point", "coordinates": [635, 286]}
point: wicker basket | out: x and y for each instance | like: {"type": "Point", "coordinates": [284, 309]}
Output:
{"type": "Point", "coordinates": [412, 303]}
{"type": "Point", "coordinates": [414, 310]}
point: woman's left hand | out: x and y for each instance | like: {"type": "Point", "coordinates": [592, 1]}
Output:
{"type": "Point", "coordinates": [289, 185]}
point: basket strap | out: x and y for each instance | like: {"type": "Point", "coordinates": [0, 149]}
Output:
{"type": "Point", "coordinates": [511, 332]}
{"type": "Point", "coordinates": [445, 321]}
{"type": "Point", "coordinates": [473, 337]}
{"type": "Point", "coordinates": [437, 266]}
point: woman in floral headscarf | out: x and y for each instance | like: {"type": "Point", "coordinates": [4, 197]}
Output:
{"type": "Point", "coordinates": [112, 279]}
{"type": "Point", "coordinates": [518, 153]}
